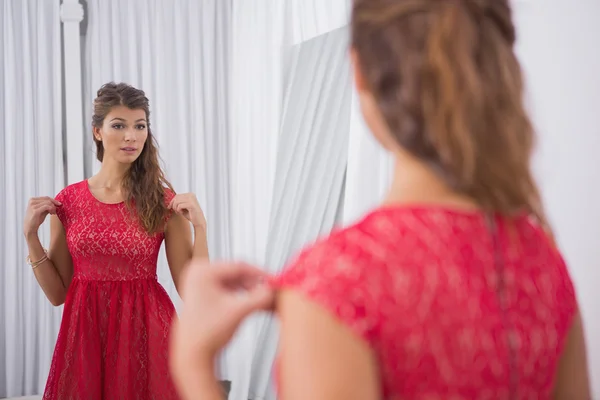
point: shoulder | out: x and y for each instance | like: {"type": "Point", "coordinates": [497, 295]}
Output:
{"type": "Point", "coordinates": [355, 253]}
{"type": "Point", "coordinates": [546, 263]}
{"type": "Point", "coordinates": [342, 274]}
{"type": "Point", "coordinates": [71, 192]}
{"type": "Point", "coordinates": [370, 241]}
{"type": "Point", "coordinates": [329, 258]}
{"type": "Point", "coordinates": [69, 197]}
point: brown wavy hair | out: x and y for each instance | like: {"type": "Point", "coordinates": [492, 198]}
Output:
{"type": "Point", "coordinates": [144, 184]}
{"type": "Point", "coordinates": [447, 81]}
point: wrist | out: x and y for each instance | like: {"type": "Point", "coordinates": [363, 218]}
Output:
{"type": "Point", "coordinates": [189, 349]}
{"type": "Point", "coordinates": [196, 379]}
{"type": "Point", "coordinates": [195, 363]}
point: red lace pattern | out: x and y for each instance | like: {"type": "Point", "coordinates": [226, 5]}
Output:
{"type": "Point", "coordinates": [421, 287]}
{"type": "Point", "coordinates": [113, 339]}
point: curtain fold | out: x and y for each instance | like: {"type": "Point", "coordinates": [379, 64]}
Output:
{"type": "Point", "coordinates": [275, 118]}
{"type": "Point", "coordinates": [31, 164]}
{"type": "Point", "coordinates": [259, 33]}
{"type": "Point", "coordinates": [309, 178]}
{"type": "Point", "coordinates": [311, 18]}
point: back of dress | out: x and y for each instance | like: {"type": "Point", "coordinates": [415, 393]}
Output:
{"type": "Point", "coordinates": [451, 310]}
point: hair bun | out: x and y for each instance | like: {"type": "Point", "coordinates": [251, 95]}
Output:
{"type": "Point", "coordinates": [110, 86]}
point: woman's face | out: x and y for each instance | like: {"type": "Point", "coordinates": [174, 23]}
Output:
{"type": "Point", "coordinates": [123, 134]}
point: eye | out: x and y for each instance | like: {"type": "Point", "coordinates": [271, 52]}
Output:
{"type": "Point", "coordinates": [118, 126]}
{"type": "Point", "coordinates": [141, 127]}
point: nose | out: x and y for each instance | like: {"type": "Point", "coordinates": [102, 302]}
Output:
{"type": "Point", "coordinates": [130, 135]}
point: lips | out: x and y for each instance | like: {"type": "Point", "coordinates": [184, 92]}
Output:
{"type": "Point", "coordinates": [129, 149]}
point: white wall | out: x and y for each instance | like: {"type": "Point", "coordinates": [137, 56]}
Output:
{"type": "Point", "coordinates": [560, 54]}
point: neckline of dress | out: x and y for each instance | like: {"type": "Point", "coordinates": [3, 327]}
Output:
{"type": "Point", "coordinates": [89, 190]}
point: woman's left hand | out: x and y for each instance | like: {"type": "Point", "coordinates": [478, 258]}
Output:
{"type": "Point", "coordinates": [216, 298]}
{"type": "Point", "coordinates": [186, 204]}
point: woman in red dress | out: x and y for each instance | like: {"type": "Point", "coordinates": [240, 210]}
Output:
{"type": "Point", "coordinates": [106, 233]}
{"type": "Point", "coordinates": [451, 289]}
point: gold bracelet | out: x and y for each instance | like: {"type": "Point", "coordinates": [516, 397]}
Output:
{"type": "Point", "coordinates": [36, 264]}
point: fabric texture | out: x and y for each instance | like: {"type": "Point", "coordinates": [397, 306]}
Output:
{"type": "Point", "coordinates": [113, 340]}
{"type": "Point", "coordinates": [422, 287]}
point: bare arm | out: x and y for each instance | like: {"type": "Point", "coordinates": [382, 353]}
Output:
{"type": "Point", "coordinates": [572, 379]}
{"type": "Point", "coordinates": [320, 358]}
{"type": "Point", "coordinates": [195, 379]}
{"type": "Point", "coordinates": [54, 275]}
{"type": "Point", "coordinates": [179, 247]}
{"type": "Point", "coordinates": [200, 243]}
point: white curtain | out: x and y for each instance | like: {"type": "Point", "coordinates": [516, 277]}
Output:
{"type": "Point", "coordinates": [310, 18]}
{"type": "Point", "coordinates": [31, 164]}
{"type": "Point", "coordinates": [178, 52]}
{"type": "Point", "coordinates": [258, 35]}
{"type": "Point", "coordinates": [370, 168]}
{"type": "Point", "coordinates": [263, 64]}
{"type": "Point", "coordinates": [311, 164]}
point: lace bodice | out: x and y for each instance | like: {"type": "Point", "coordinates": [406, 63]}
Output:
{"type": "Point", "coordinates": [106, 241]}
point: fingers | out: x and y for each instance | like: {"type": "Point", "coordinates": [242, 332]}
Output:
{"type": "Point", "coordinates": [259, 298]}
{"type": "Point", "coordinates": [44, 200]}
{"type": "Point", "coordinates": [239, 272]}
{"type": "Point", "coordinates": [236, 289]}
{"type": "Point", "coordinates": [177, 199]}
{"type": "Point", "coordinates": [44, 205]}
{"type": "Point", "coordinates": [46, 208]}
{"type": "Point", "coordinates": [179, 205]}
{"type": "Point", "coordinates": [258, 295]}
{"type": "Point", "coordinates": [42, 212]}
{"type": "Point", "coordinates": [183, 202]}
{"type": "Point", "coordinates": [229, 274]}
{"type": "Point", "coordinates": [55, 202]}
{"type": "Point", "coordinates": [223, 277]}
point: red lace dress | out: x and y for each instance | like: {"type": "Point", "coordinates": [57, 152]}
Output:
{"type": "Point", "coordinates": [113, 338]}
{"type": "Point", "coordinates": [422, 287]}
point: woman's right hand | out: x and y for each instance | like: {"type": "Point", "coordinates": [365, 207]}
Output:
{"type": "Point", "coordinates": [37, 210]}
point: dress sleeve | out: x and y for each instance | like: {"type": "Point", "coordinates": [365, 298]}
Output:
{"type": "Point", "coordinates": [565, 289]}
{"type": "Point", "coordinates": [169, 195]}
{"type": "Point", "coordinates": [564, 293]}
{"type": "Point", "coordinates": [567, 296]}
{"type": "Point", "coordinates": [62, 212]}
{"type": "Point", "coordinates": [333, 277]}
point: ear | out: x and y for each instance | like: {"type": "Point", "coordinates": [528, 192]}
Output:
{"type": "Point", "coordinates": [359, 79]}
{"type": "Point", "coordinates": [97, 134]}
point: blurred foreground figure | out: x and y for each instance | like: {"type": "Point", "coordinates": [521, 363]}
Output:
{"type": "Point", "coordinates": [451, 289]}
